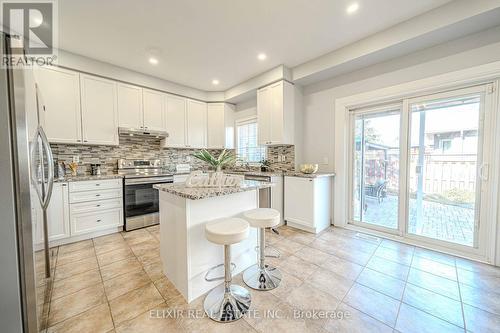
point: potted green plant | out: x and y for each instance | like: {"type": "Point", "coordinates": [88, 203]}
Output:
{"type": "Point", "coordinates": [217, 163]}
{"type": "Point", "coordinates": [265, 164]}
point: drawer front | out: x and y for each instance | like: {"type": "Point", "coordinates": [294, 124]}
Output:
{"type": "Point", "coordinates": [76, 197]}
{"type": "Point", "coordinates": [90, 222]}
{"type": "Point", "coordinates": [92, 185]}
{"type": "Point", "coordinates": [92, 206]}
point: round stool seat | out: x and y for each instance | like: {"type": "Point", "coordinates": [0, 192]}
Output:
{"type": "Point", "coordinates": [227, 230]}
{"type": "Point", "coordinates": [262, 217]}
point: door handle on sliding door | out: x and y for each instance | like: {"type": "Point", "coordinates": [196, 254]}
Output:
{"type": "Point", "coordinates": [484, 171]}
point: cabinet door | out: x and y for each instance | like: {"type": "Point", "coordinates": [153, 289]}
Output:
{"type": "Point", "coordinates": [129, 101]}
{"type": "Point", "coordinates": [196, 124]}
{"type": "Point", "coordinates": [215, 126]}
{"type": "Point", "coordinates": [264, 103]}
{"type": "Point", "coordinates": [276, 113]}
{"type": "Point", "coordinates": [59, 98]}
{"type": "Point", "coordinates": [154, 110]}
{"type": "Point", "coordinates": [299, 200]}
{"type": "Point", "coordinates": [99, 111]}
{"type": "Point", "coordinates": [58, 212]}
{"type": "Point", "coordinates": [175, 115]}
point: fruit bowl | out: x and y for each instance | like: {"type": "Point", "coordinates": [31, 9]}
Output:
{"type": "Point", "coordinates": [308, 168]}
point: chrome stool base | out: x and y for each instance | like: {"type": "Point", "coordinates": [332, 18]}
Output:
{"type": "Point", "coordinates": [223, 306]}
{"type": "Point", "coordinates": [262, 279]}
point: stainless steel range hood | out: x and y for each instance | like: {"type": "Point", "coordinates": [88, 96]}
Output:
{"type": "Point", "coordinates": [142, 132]}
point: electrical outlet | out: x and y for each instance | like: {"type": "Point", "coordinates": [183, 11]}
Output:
{"type": "Point", "coordinates": [76, 159]}
{"type": "Point", "coordinates": [283, 158]}
{"type": "Point", "coordinates": [188, 158]}
{"type": "Point", "coordinates": [325, 160]}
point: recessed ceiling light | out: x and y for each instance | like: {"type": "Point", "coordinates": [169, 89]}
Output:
{"type": "Point", "coordinates": [215, 82]}
{"type": "Point", "coordinates": [153, 61]}
{"type": "Point", "coordinates": [262, 56]}
{"type": "Point", "coordinates": [352, 8]}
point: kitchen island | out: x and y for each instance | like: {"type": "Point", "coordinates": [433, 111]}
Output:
{"type": "Point", "coordinates": [186, 254]}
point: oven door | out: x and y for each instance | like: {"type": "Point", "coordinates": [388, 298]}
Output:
{"type": "Point", "coordinates": [141, 204]}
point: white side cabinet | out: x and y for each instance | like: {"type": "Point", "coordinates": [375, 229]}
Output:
{"type": "Point", "coordinates": [129, 106]}
{"type": "Point", "coordinates": [276, 113]}
{"type": "Point", "coordinates": [220, 126]}
{"type": "Point", "coordinates": [57, 215]}
{"type": "Point", "coordinates": [58, 212]}
{"type": "Point", "coordinates": [99, 110]}
{"type": "Point", "coordinates": [308, 203]}
{"type": "Point", "coordinates": [59, 100]}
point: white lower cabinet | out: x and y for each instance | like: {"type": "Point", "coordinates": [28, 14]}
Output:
{"type": "Point", "coordinates": [58, 212]}
{"type": "Point", "coordinates": [79, 210]}
{"type": "Point", "coordinates": [82, 223]}
{"type": "Point", "coordinates": [308, 203]}
{"type": "Point", "coordinates": [95, 206]}
{"type": "Point", "coordinates": [57, 215]}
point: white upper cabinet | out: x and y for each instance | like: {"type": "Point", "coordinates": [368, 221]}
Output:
{"type": "Point", "coordinates": [175, 114]}
{"type": "Point", "coordinates": [154, 110]}
{"type": "Point", "coordinates": [129, 106]}
{"type": "Point", "coordinates": [99, 110]}
{"type": "Point", "coordinates": [186, 123]}
{"type": "Point", "coordinates": [59, 101]}
{"type": "Point", "coordinates": [220, 126]}
{"type": "Point", "coordinates": [276, 113]}
{"type": "Point", "coordinates": [264, 115]}
{"type": "Point", "coordinates": [196, 119]}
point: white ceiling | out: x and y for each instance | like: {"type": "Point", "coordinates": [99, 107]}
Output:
{"type": "Point", "coordinates": [200, 40]}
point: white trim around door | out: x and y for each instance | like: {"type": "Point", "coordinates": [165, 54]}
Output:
{"type": "Point", "coordinates": [485, 74]}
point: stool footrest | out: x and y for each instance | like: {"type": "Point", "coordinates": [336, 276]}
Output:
{"type": "Point", "coordinates": [217, 278]}
{"type": "Point", "coordinates": [276, 254]}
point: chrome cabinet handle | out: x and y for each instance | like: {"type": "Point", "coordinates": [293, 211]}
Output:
{"type": "Point", "coordinates": [97, 195]}
{"type": "Point", "coordinates": [98, 205]}
{"type": "Point", "coordinates": [99, 220]}
{"type": "Point", "coordinates": [97, 184]}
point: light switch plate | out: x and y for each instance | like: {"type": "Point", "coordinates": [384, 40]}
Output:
{"type": "Point", "coordinates": [76, 159]}
{"type": "Point", "coordinates": [325, 160]}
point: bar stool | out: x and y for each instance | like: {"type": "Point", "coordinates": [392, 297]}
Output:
{"type": "Point", "coordinates": [261, 276]}
{"type": "Point", "coordinates": [227, 302]}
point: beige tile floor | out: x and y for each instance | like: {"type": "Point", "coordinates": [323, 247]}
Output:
{"type": "Point", "coordinates": [115, 284]}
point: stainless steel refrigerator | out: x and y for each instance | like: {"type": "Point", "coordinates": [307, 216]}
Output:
{"type": "Point", "coordinates": [26, 178]}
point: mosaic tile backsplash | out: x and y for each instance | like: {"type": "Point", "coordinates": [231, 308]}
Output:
{"type": "Point", "coordinates": [150, 148]}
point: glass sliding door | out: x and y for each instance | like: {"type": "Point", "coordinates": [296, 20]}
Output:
{"type": "Point", "coordinates": [375, 161]}
{"type": "Point", "coordinates": [418, 169]}
{"type": "Point", "coordinates": [443, 169]}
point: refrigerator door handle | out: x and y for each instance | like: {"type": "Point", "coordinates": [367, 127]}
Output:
{"type": "Point", "coordinates": [34, 168]}
{"type": "Point", "coordinates": [50, 171]}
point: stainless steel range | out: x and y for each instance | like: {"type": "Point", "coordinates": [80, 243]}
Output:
{"type": "Point", "coordinates": [141, 202]}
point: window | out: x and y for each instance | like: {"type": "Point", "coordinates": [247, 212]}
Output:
{"type": "Point", "coordinates": [247, 147]}
{"type": "Point", "coordinates": [445, 145]}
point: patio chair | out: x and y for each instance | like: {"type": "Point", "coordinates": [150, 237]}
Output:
{"type": "Point", "coordinates": [377, 190]}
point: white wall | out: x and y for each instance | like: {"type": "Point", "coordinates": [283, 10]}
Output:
{"type": "Point", "coordinates": [319, 98]}
{"type": "Point", "coordinates": [246, 109]}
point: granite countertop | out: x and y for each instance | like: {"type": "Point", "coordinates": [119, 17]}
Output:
{"type": "Point", "coordinates": [197, 193]}
{"type": "Point", "coordinates": [309, 175]}
{"type": "Point", "coordinates": [71, 178]}
{"type": "Point", "coordinates": [255, 173]}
